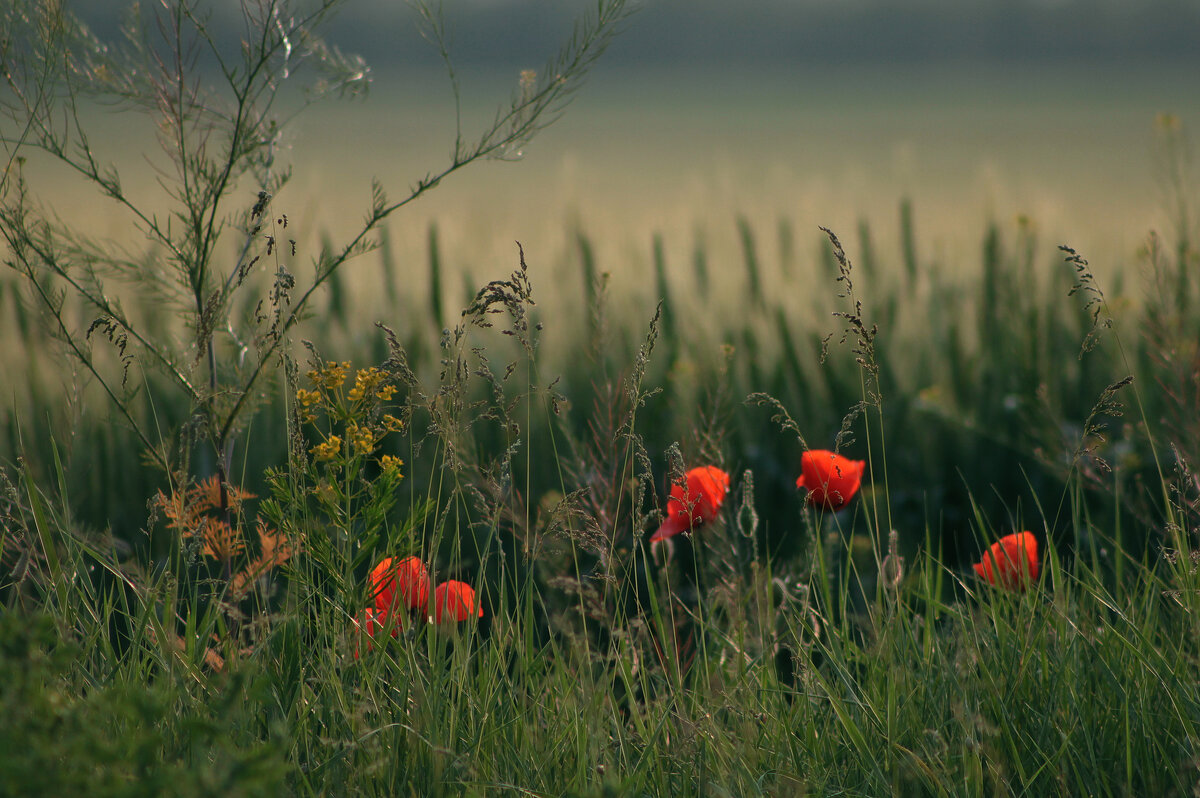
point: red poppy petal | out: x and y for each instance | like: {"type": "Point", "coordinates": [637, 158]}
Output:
{"type": "Point", "coordinates": [672, 526]}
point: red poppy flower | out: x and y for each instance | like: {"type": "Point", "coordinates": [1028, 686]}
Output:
{"type": "Point", "coordinates": [832, 480]}
{"type": "Point", "coordinates": [696, 503]}
{"type": "Point", "coordinates": [373, 623]}
{"type": "Point", "coordinates": [454, 601]}
{"type": "Point", "coordinates": [402, 584]}
{"type": "Point", "coordinates": [1011, 562]}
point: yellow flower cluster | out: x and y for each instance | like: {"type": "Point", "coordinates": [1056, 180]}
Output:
{"type": "Point", "coordinates": [389, 463]}
{"type": "Point", "coordinates": [309, 401]}
{"type": "Point", "coordinates": [368, 380]}
{"type": "Point", "coordinates": [355, 413]}
{"type": "Point", "coordinates": [361, 437]}
{"type": "Point", "coordinates": [329, 449]}
{"type": "Point", "coordinates": [331, 375]}
{"type": "Point", "coordinates": [308, 398]}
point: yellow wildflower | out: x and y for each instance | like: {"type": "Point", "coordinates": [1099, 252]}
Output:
{"type": "Point", "coordinates": [365, 381]}
{"type": "Point", "coordinates": [362, 437]}
{"type": "Point", "coordinates": [330, 376]}
{"type": "Point", "coordinates": [329, 449]}
{"type": "Point", "coordinates": [308, 398]}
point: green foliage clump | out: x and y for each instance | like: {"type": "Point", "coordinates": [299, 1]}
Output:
{"type": "Point", "coordinates": [66, 732]}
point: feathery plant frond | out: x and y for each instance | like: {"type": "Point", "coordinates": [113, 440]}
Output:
{"type": "Point", "coordinates": [1087, 287]}
{"type": "Point", "coordinates": [215, 105]}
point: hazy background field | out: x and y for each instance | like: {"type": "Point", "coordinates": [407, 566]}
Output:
{"type": "Point", "coordinates": [809, 113]}
{"type": "Point", "coordinates": [683, 152]}
{"type": "Point", "coordinates": [675, 151]}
